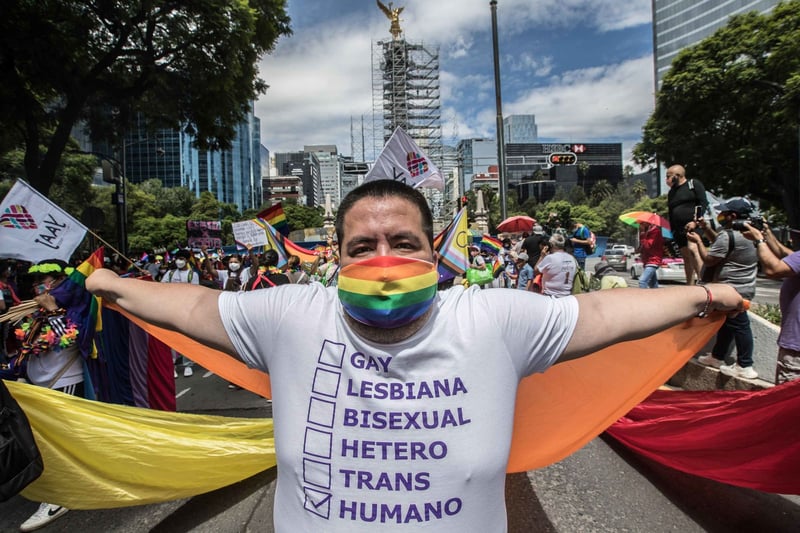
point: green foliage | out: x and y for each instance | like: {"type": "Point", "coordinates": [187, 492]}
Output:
{"type": "Point", "coordinates": [302, 216]}
{"type": "Point", "coordinates": [770, 312]}
{"type": "Point", "coordinates": [729, 110]}
{"type": "Point", "coordinates": [151, 232]}
{"type": "Point", "coordinates": [178, 63]}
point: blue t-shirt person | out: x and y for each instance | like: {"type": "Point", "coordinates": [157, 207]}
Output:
{"type": "Point", "coordinates": [580, 250]}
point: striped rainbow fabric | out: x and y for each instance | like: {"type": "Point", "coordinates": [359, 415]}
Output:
{"type": "Point", "coordinates": [491, 244]}
{"type": "Point", "coordinates": [387, 291]}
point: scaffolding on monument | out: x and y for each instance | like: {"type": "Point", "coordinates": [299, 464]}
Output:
{"type": "Point", "coordinates": [405, 93]}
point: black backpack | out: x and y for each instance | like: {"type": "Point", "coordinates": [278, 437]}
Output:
{"type": "Point", "coordinates": [20, 461]}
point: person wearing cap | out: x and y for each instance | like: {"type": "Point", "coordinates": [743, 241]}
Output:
{"type": "Point", "coordinates": [609, 279]}
{"type": "Point", "coordinates": [524, 272]}
{"type": "Point", "coordinates": [557, 268]}
{"type": "Point", "coordinates": [533, 245]}
{"type": "Point", "coordinates": [48, 341]}
{"type": "Point", "coordinates": [732, 259]}
{"type": "Point", "coordinates": [780, 262]}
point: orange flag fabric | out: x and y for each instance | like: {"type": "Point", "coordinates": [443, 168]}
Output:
{"type": "Point", "coordinates": [556, 412]}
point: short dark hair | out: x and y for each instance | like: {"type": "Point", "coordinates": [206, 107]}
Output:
{"type": "Point", "coordinates": [385, 189]}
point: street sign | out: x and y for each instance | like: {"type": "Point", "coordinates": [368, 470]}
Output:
{"type": "Point", "coordinates": [562, 158]}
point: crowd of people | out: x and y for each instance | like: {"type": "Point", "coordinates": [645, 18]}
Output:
{"type": "Point", "coordinates": [377, 318]}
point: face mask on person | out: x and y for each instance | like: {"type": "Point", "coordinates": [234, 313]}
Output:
{"type": "Point", "coordinates": [233, 266]}
{"type": "Point", "coordinates": [41, 288]}
{"type": "Point", "coordinates": [180, 263]}
{"type": "Point", "coordinates": [387, 291]}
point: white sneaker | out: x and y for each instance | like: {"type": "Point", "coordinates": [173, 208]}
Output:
{"type": "Point", "coordinates": [46, 513]}
{"type": "Point", "coordinates": [187, 372]}
{"type": "Point", "coordinates": [174, 373]}
{"type": "Point", "coordinates": [736, 371]}
{"type": "Point", "coordinates": [710, 360]}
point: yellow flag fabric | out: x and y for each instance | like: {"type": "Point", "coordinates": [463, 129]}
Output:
{"type": "Point", "coordinates": [99, 455]}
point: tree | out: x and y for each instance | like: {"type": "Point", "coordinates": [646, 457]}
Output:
{"type": "Point", "coordinates": [190, 64]}
{"type": "Point", "coordinates": [728, 110]}
{"type": "Point", "coordinates": [302, 216]}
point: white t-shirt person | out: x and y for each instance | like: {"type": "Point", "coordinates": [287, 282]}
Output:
{"type": "Point", "coordinates": [558, 272]}
{"type": "Point", "coordinates": [375, 437]}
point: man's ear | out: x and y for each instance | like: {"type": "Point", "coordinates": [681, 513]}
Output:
{"type": "Point", "coordinates": [436, 259]}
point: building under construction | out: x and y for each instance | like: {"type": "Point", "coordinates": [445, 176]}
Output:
{"type": "Point", "coordinates": [405, 93]}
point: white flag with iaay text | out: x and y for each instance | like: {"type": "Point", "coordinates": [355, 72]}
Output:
{"type": "Point", "coordinates": [32, 228]}
{"type": "Point", "coordinates": [402, 160]}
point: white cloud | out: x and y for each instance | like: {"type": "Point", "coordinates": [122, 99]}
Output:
{"type": "Point", "coordinates": [321, 76]}
{"type": "Point", "coordinates": [609, 103]}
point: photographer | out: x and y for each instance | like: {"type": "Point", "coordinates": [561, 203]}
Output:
{"type": "Point", "coordinates": [731, 259]}
{"type": "Point", "coordinates": [779, 262]}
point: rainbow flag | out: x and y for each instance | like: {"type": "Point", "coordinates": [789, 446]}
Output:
{"type": "Point", "coordinates": [497, 266]}
{"type": "Point", "coordinates": [359, 289]}
{"type": "Point", "coordinates": [285, 246]}
{"type": "Point", "coordinates": [273, 242]}
{"type": "Point", "coordinates": [82, 307]}
{"type": "Point", "coordinates": [276, 218]}
{"type": "Point", "coordinates": [491, 244]}
{"type": "Point", "coordinates": [451, 244]}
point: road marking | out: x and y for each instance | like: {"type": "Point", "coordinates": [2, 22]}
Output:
{"type": "Point", "coordinates": [184, 391]}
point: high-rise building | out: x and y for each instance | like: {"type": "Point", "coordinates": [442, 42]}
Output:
{"type": "Point", "coordinates": [330, 170]}
{"type": "Point", "coordinates": [233, 175]}
{"type": "Point", "coordinates": [306, 166]}
{"type": "Point", "coordinates": [520, 129]}
{"type": "Point", "coordinates": [681, 23]}
{"type": "Point", "coordinates": [475, 157]}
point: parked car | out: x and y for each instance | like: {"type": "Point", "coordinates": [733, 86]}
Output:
{"type": "Point", "coordinates": [616, 259]}
{"type": "Point", "coordinates": [671, 269]}
{"type": "Point", "coordinates": [627, 250]}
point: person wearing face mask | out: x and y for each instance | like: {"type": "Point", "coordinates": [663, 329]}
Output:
{"type": "Point", "coordinates": [388, 394]}
{"type": "Point", "coordinates": [687, 204]}
{"type": "Point", "coordinates": [182, 273]}
{"type": "Point", "coordinates": [234, 277]}
{"type": "Point", "coordinates": [733, 260]}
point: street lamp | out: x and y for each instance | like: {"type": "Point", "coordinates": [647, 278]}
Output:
{"type": "Point", "coordinates": [117, 198]}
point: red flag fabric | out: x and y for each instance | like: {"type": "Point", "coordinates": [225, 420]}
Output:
{"type": "Point", "coordinates": [743, 438]}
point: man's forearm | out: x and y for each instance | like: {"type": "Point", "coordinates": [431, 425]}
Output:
{"type": "Point", "coordinates": [609, 317]}
{"type": "Point", "coordinates": [184, 307]}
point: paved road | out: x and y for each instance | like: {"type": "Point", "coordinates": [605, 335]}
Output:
{"type": "Point", "coordinates": [602, 487]}
{"type": "Point", "coordinates": [767, 290]}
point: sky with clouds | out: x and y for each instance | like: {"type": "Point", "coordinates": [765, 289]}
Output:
{"type": "Point", "coordinates": [584, 68]}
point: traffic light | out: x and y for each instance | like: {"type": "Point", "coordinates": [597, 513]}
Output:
{"type": "Point", "coordinates": [563, 158]}
{"type": "Point", "coordinates": [464, 201]}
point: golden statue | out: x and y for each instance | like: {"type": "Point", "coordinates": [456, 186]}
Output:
{"type": "Point", "coordinates": [392, 14]}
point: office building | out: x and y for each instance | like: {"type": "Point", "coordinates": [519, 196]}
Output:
{"type": "Point", "coordinates": [306, 166]}
{"type": "Point", "coordinates": [681, 23]}
{"type": "Point", "coordinates": [330, 170]}
{"type": "Point", "coordinates": [520, 129]}
{"type": "Point", "coordinates": [475, 157]}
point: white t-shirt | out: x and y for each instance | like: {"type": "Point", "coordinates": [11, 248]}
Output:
{"type": "Point", "coordinates": [375, 437]}
{"type": "Point", "coordinates": [44, 367]}
{"type": "Point", "coordinates": [244, 276]}
{"type": "Point", "coordinates": [558, 272]}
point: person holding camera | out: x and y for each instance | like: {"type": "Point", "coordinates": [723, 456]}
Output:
{"type": "Point", "coordinates": [779, 262]}
{"type": "Point", "coordinates": [731, 259]}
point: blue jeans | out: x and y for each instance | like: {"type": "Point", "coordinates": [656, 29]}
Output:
{"type": "Point", "coordinates": [649, 279]}
{"type": "Point", "coordinates": [735, 329]}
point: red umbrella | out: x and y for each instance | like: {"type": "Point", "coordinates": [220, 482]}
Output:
{"type": "Point", "coordinates": [516, 224]}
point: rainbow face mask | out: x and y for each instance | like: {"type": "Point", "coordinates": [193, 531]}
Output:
{"type": "Point", "coordinates": [387, 291]}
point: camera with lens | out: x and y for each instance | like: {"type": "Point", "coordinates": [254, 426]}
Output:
{"type": "Point", "coordinates": [755, 221]}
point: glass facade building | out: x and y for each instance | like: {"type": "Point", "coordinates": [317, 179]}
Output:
{"type": "Point", "coordinates": [681, 23]}
{"type": "Point", "coordinates": [168, 155]}
{"type": "Point", "coordinates": [520, 129]}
